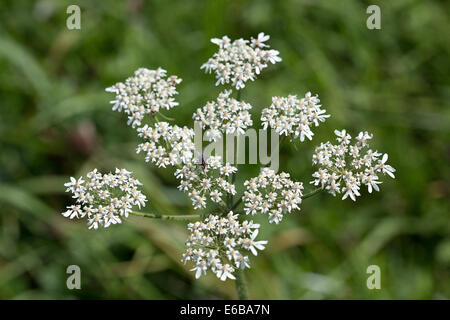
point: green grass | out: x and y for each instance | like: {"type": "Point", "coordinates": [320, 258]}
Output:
{"type": "Point", "coordinates": [55, 121]}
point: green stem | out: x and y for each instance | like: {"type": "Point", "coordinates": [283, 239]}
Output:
{"type": "Point", "coordinates": [234, 206]}
{"type": "Point", "coordinates": [165, 117]}
{"type": "Point", "coordinates": [241, 286]}
{"type": "Point", "coordinates": [239, 93]}
{"type": "Point", "coordinates": [166, 217]}
{"type": "Point", "coordinates": [310, 194]}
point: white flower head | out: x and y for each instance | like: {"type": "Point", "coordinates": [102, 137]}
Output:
{"type": "Point", "coordinates": [206, 179]}
{"type": "Point", "coordinates": [147, 92]}
{"type": "Point", "coordinates": [273, 194]}
{"type": "Point", "coordinates": [293, 117]}
{"type": "Point", "coordinates": [166, 144]}
{"type": "Point", "coordinates": [226, 115]}
{"type": "Point", "coordinates": [240, 60]}
{"type": "Point", "coordinates": [104, 198]}
{"type": "Point", "coordinates": [343, 168]}
{"type": "Point", "coordinates": [221, 244]}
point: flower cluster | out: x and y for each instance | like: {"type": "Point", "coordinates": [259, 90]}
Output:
{"type": "Point", "coordinates": [291, 116]}
{"type": "Point", "coordinates": [146, 92]}
{"type": "Point", "coordinates": [206, 178]}
{"type": "Point", "coordinates": [345, 167]}
{"type": "Point", "coordinates": [272, 193]}
{"type": "Point", "coordinates": [220, 244]}
{"type": "Point", "coordinates": [224, 116]}
{"type": "Point", "coordinates": [167, 144]}
{"type": "Point", "coordinates": [240, 60]}
{"type": "Point", "coordinates": [104, 199]}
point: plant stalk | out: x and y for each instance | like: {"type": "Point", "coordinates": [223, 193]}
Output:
{"type": "Point", "coordinates": [241, 285]}
{"type": "Point", "coordinates": [166, 217]}
{"type": "Point", "coordinates": [310, 194]}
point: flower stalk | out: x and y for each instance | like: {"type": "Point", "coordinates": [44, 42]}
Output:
{"type": "Point", "coordinates": [312, 193]}
{"type": "Point", "coordinates": [241, 285]}
{"type": "Point", "coordinates": [165, 216]}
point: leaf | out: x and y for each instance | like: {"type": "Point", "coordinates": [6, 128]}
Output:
{"type": "Point", "coordinates": [17, 55]}
{"type": "Point", "coordinates": [24, 201]}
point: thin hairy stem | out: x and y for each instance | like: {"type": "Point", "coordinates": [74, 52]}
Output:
{"type": "Point", "coordinates": [166, 217]}
{"type": "Point", "coordinates": [241, 285]}
{"type": "Point", "coordinates": [239, 93]}
{"type": "Point", "coordinates": [166, 117]}
{"type": "Point", "coordinates": [238, 202]}
{"type": "Point", "coordinates": [310, 194]}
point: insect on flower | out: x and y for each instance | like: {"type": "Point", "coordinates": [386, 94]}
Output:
{"type": "Point", "coordinates": [201, 160]}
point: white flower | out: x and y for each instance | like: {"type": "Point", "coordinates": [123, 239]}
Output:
{"type": "Point", "coordinates": [75, 186]}
{"type": "Point", "coordinates": [385, 168]}
{"type": "Point", "coordinates": [293, 117]}
{"type": "Point", "coordinates": [252, 245]}
{"type": "Point", "coordinates": [272, 193]}
{"type": "Point", "coordinates": [219, 243]}
{"type": "Point", "coordinates": [321, 176]}
{"type": "Point", "coordinates": [216, 195]}
{"type": "Point", "coordinates": [259, 42]}
{"type": "Point", "coordinates": [225, 271]}
{"type": "Point", "coordinates": [166, 144]}
{"type": "Point", "coordinates": [73, 211]}
{"type": "Point", "coordinates": [224, 116]}
{"type": "Point", "coordinates": [95, 221]}
{"type": "Point", "coordinates": [110, 218]}
{"type": "Point", "coordinates": [240, 60]}
{"type": "Point", "coordinates": [200, 268]}
{"type": "Point", "coordinates": [227, 169]}
{"type": "Point", "coordinates": [370, 180]}
{"type": "Point", "coordinates": [342, 136]}
{"type": "Point", "coordinates": [351, 189]}
{"type": "Point", "coordinates": [104, 198]}
{"type": "Point", "coordinates": [336, 175]}
{"type": "Point", "coordinates": [362, 138]}
{"type": "Point", "coordinates": [275, 216]}
{"type": "Point", "coordinates": [242, 262]}
{"type": "Point", "coordinates": [146, 92]}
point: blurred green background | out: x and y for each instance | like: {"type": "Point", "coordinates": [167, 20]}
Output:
{"type": "Point", "coordinates": [55, 121]}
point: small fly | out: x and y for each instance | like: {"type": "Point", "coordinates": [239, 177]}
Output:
{"type": "Point", "coordinates": [201, 160]}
